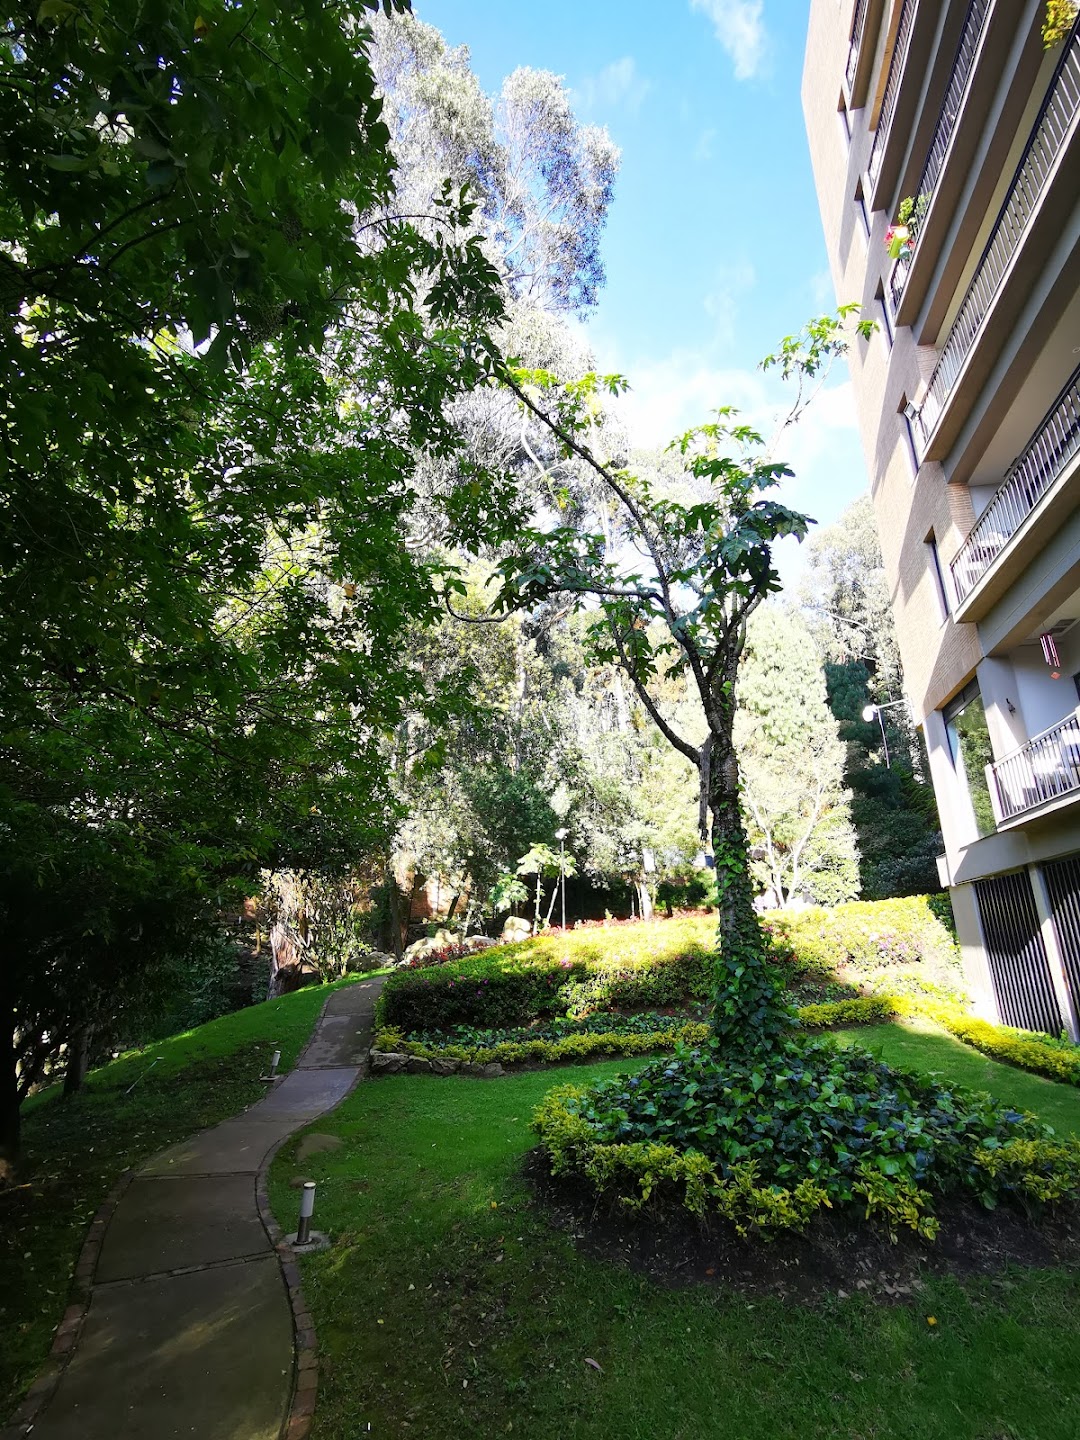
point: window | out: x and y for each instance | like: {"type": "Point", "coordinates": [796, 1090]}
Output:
{"type": "Point", "coordinates": [886, 318]}
{"type": "Point", "coordinates": [860, 201]}
{"type": "Point", "coordinates": [937, 575]}
{"type": "Point", "coordinates": [845, 119]}
{"type": "Point", "coordinates": [907, 413]}
{"type": "Point", "coordinates": [969, 746]}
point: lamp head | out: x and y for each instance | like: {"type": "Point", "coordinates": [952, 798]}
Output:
{"type": "Point", "coordinates": [869, 713]}
{"type": "Point", "coordinates": [561, 834]}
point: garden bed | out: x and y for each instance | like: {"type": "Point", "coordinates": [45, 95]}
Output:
{"type": "Point", "coordinates": [836, 1255]}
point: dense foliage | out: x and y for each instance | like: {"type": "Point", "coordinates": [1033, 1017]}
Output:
{"type": "Point", "coordinates": [766, 1142]}
{"type": "Point", "coordinates": [222, 350]}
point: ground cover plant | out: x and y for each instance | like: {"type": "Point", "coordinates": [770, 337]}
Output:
{"type": "Point", "coordinates": [76, 1149]}
{"type": "Point", "coordinates": [767, 1141]}
{"type": "Point", "coordinates": [448, 1305]}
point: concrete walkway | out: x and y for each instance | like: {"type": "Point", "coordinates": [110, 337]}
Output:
{"type": "Point", "coordinates": [190, 1326]}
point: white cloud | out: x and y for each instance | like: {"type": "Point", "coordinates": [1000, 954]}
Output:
{"type": "Point", "coordinates": [617, 85]}
{"type": "Point", "coordinates": [740, 28]}
{"type": "Point", "coordinates": [721, 303]}
{"type": "Point", "coordinates": [703, 150]}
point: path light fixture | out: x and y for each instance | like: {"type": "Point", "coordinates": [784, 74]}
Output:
{"type": "Point", "coordinates": [307, 1210]}
{"type": "Point", "coordinates": [561, 835]}
{"type": "Point", "coordinates": [872, 712]}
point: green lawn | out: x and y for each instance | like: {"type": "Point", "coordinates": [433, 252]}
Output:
{"type": "Point", "coordinates": [74, 1150]}
{"type": "Point", "coordinates": [447, 1307]}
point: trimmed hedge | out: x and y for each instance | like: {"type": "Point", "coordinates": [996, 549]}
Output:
{"type": "Point", "coordinates": [1012, 1047]}
{"type": "Point", "coordinates": [646, 965]}
{"type": "Point", "coordinates": [665, 1035]}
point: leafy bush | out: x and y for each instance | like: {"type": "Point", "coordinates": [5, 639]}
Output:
{"type": "Point", "coordinates": [863, 1010]}
{"type": "Point", "coordinates": [765, 1140]}
{"type": "Point", "coordinates": [575, 1045]}
{"type": "Point", "coordinates": [901, 942]}
{"type": "Point", "coordinates": [896, 945]}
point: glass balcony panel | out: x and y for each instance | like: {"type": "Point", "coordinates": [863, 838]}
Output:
{"type": "Point", "coordinates": [1029, 477]}
{"type": "Point", "coordinates": [1046, 768]}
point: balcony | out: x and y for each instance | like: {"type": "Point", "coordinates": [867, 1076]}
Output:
{"type": "Point", "coordinates": [952, 106]}
{"type": "Point", "coordinates": [891, 92]}
{"type": "Point", "coordinates": [1041, 468]}
{"type": "Point", "coordinates": [1039, 165]}
{"type": "Point", "coordinates": [1040, 775]}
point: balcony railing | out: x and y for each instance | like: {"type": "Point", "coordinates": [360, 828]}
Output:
{"type": "Point", "coordinates": [1046, 768]}
{"type": "Point", "coordinates": [892, 90]}
{"type": "Point", "coordinates": [1058, 111]}
{"type": "Point", "coordinates": [951, 107]}
{"type": "Point", "coordinates": [1027, 480]}
{"type": "Point", "coordinates": [858, 25]}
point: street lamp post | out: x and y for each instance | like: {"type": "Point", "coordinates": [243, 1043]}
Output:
{"type": "Point", "coordinates": [561, 835]}
{"type": "Point", "coordinates": [871, 712]}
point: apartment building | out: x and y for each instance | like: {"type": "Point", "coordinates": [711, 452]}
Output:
{"type": "Point", "coordinates": [968, 400]}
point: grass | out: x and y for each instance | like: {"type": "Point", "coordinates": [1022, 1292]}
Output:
{"type": "Point", "coordinates": [447, 1306]}
{"type": "Point", "coordinates": [75, 1150]}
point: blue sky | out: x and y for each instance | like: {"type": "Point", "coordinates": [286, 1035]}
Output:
{"type": "Point", "coordinates": [713, 246]}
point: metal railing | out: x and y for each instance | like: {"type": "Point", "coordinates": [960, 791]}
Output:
{"type": "Point", "coordinates": [952, 105]}
{"type": "Point", "coordinates": [1027, 480]}
{"type": "Point", "coordinates": [858, 25]}
{"type": "Point", "coordinates": [892, 90]}
{"type": "Point", "coordinates": [1058, 111]}
{"type": "Point", "coordinates": [1046, 768]}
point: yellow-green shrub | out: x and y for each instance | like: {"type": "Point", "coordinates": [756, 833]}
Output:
{"type": "Point", "coordinates": [1027, 1052]}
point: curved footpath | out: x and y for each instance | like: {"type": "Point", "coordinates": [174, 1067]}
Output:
{"type": "Point", "coordinates": [195, 1324]}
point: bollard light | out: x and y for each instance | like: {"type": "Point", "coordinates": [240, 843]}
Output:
{"type": "Point", "coordinates": [275, 1061]}
{"type": "Point", "coordinates": [307, 1209]}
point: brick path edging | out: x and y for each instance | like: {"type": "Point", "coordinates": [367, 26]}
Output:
{"type": "Point", "coordinates": [68, 1331]}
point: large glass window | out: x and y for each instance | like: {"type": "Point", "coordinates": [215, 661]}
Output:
{"type": "Point", "coordinates": [969, 742]}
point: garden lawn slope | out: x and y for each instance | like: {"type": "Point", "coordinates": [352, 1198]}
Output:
{"type": "Point", "coordinates": [826, 955]}
{"type": "Point", "coordinates": [447, 1306]}
{"type": "Point", "coordinates": [76, 1149]}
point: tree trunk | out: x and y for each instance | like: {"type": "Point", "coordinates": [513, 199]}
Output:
{"type": "Point", "coordinates": [10, 1120]}
{"type": "Point", "coordinates": [78, 1060]}
{"type": "Point", "coordinates": [749, 1012]}
{"type": "Point", "coordinates": [645, 905]}
{"type": "Point", "coordinates": [395, 914]}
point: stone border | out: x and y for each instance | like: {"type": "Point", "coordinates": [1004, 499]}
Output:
{"type": "Point", "coordinates": [391, 1062]}
{"type": "Point", "coordinates": [68, 1331]}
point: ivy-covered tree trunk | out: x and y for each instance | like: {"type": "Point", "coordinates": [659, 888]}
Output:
{"type": "Point", "coordinates": [749, 1012]}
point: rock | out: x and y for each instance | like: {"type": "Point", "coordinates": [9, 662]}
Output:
{"type": "Point", "coordinates": [515, 929]}
{"type": "Point", "coordinates": [387, 1062]}
{"type": "Point", "coordinates": [315, 1144]}
{"type": "Point", "coordinates": [491, 1071]}
{"type": "Point", "coordinates": [441, 940]}
{"type": "Point", "coordinates": [477, 942]}
{"type": "Point", "coordinates": [416, 1065]}
{"type": "Point", "coordinates": [445, 1067]}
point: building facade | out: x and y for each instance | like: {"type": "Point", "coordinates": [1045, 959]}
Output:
{"type": "Point", "coordinates": [954, 114]}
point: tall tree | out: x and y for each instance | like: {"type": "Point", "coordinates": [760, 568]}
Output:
{"type": "Point", "coordinates": [798, 812]}
{"type": "Point", "coordinates": [706, 567]}
{"type": "Point", "coordinates": [846, 602]}
{"type": "Point", "coordinates": [221, 351]}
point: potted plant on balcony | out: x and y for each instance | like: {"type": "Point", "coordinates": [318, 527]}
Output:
{"type": "Point", "coordinates": [1058, 21]}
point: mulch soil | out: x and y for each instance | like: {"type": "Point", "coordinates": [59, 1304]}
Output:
{"type": "Point", "coordinates": [838, 1254]}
